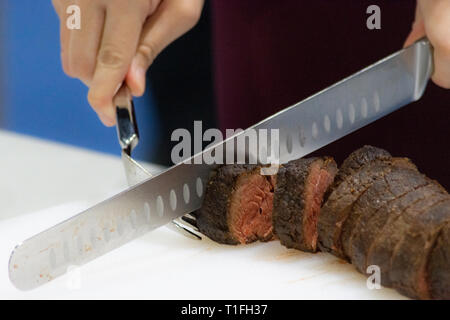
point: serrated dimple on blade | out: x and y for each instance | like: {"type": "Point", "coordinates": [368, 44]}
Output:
{"type": "Point", "coordinates": [103, 228]}
{"type": "Point", "coordinates": [353, 102]}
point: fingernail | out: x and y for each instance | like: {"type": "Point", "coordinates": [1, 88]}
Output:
{"type": "Point", "coordinates": [106, 120]}
{"type": "Point", "coordinates": [141, 79]}
{"type": "Point", "coordinates": [108, 117]}
{"type": "Point", "coordinates": [139, 74]}
{"type": "Point", "coordinates": [111, 113]}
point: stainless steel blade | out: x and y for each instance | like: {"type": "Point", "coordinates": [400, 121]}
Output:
{"type": "Point", "coordinates": [305, 127]}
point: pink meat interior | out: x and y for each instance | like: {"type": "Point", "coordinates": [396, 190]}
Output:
{"type": "Point", "coordinates": [318, 181]}
{"type": "Point", "coordinates": [251, 208]}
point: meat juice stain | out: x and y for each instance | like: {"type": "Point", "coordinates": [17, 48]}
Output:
{"type": "Point", "coordinates": [307, 277]}
{"type": "Point", "coordinates": [288, 254]}
{"type": "Point", "coordinates": [326, 268]}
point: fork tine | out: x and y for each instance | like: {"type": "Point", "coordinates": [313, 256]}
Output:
{"type": "Point", "coordinates": [191, 221]}
{"type": "Point", "coordinates": [193, 214]}
{"type": "Point", "coordinates": [178, 226]}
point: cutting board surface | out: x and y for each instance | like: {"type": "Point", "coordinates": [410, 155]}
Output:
{"type": "Point", "coordinates": [165, 265]}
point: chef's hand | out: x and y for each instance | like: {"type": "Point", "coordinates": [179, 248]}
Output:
{"type": "Point", "coordinates": [118, 41]}
{"type": "Point", "coordinates": [433, 20]}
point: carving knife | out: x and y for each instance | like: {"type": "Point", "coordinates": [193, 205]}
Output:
{"type": "Point", "coordinates": [346, 106]}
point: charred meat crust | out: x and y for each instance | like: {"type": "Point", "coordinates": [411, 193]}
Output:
{"type": "Point", "coordinates": [340, 202]}
{"type": "Point", "coordinates": [397, 222]}
{"type": "Point", "coordinates": [292, 223]}
{"type": "Point", "coordinates": [357, 159]}
{"type": "Point", "coordinates": [368, 214]}
{"type": "Point", "coordinates": [408, 267]}
{"type": "Point", "coordinates": [383, 249]}
{"type": "Point", "coordinates": [438, 270]}
{"type": "Point", "coordinates": [212, 218]}
{"type": "Point", "coordinates": [215, 219]}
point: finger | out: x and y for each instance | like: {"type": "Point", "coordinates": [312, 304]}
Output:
{"type": "Point", "coordinates": [84, 43]}
{"type": "Point", "coordinates": [64, 34]}
{"type": "Point", "coordinates": [171, 20]}
{"type": "Point", "coordinates": [121, 33]}
{"type": "Point", "coordinates": [436, 15]}
{"type": "Point", "coordinates": [418, 29]}
{"type": "Point", "coordinates": [441, 74]}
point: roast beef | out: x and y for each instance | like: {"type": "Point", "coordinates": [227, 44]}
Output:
{"type": "Point", "coordinates": [381, 250]}
{"type": "Point", "coordinates": [408, 264]}
{"type": "Point", "coordinates": [356, 160]}
{"type": "Point", "coordinates": [237, 207]}
{"type": "Point", "coordinates": [301, 185]}
{"type": "Point", "coordinates": [377, 210]}
{"type": "Point", "coordinates": [368, 214]}
{"type": "Point", "coordinates": [381, 211]}
{"type": "Point", "coordinates": [438, 269]}
{"type": "Point", "coordinates": [339, 204]}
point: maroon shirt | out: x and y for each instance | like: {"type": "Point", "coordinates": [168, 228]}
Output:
{"type": "Point", "coordinates": [272, 54]}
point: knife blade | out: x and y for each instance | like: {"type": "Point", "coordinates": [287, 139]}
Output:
{"type": "Point", "coordinates": [346, 106]}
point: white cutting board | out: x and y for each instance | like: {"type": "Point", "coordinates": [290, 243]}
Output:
{"type": "Point", "coordinates": [165, 265]}
{"type": "Point", "coordinates": [162, 264]}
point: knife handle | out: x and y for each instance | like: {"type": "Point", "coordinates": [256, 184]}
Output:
{"type": "Point", "coordinates": [127, 130]}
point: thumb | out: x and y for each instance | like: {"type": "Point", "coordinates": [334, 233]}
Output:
{"type": "Point", "coordinates": [418, 29]}
{"type": "Point", "coordinates": [171, 20]}
{"type": "Point", "coordinates": [135, 77]}
{"type": "Point", "coordinates": [417, 32]}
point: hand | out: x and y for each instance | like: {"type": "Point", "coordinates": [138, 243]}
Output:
{"type": "Point", "coordinates": [433, 20]}
{"type": "Point", "coordinates": [118, 41]}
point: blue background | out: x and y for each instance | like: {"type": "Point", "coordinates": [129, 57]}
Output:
{"type": "Point", "coordinates": [38, 99]}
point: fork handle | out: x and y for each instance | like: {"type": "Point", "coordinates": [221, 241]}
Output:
{"type": "Point", "coordinates": [127, 130]}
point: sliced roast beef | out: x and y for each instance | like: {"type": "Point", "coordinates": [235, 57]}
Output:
{"type": "Point", "coordinates": [237, 207]}
{"type": "Point", "coordinates": [383, 248]}
{"type": "Point", "coordinates": [338, 206]}
{"type": "Point", "coordinates": [357, 159]}
{"type": "Point", "coordinates": [379, 210]}
{"type": "Point", "coordinates": [438, 268]}
{"type": "Point", "coordinates": [369, 214]}
{"type": "Point", "coordinates": [408, 264]}
{"type": "Point", "coordinates": [301, 185]}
